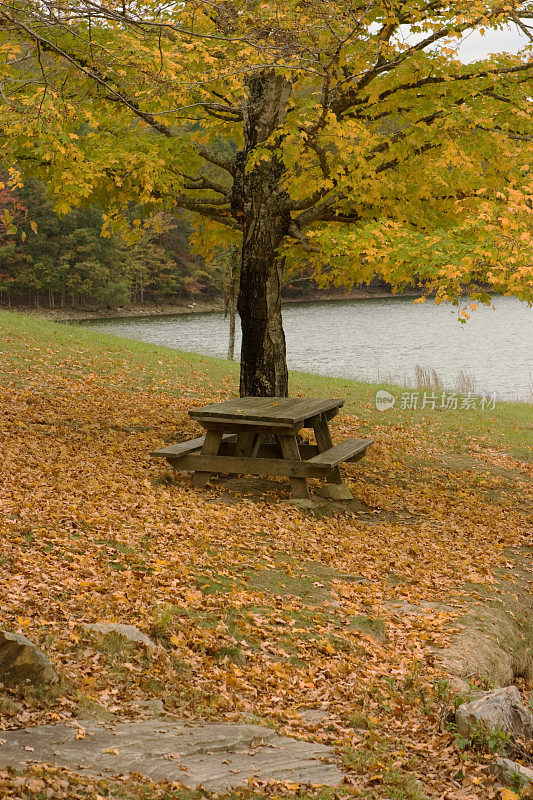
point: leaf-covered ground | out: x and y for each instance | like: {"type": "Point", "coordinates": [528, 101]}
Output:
{"type": "Point", "coordinates": [261, 612]}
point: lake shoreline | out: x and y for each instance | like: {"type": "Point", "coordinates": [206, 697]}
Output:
{"type": "Point", "coordinates": [195, 307]}
{"type": "Point", "coordinates": [384, 339]}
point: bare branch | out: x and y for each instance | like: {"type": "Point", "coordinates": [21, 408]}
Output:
{"type": "Point", "coordinates": [227, 164]}
{"type": "Point", "coordinates": [202, 183]}
{"type": "Point", "coordinates": [204, 207]}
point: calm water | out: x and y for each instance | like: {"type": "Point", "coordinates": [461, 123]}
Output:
{"type": "Point", "coordinates": [375, 339]}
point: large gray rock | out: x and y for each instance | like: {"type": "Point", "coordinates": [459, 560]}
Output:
{"type": "Point", "coordinates": [507, 771]}
{"type": "Point", "coordinates": [500, 710]}
{"type": "Point", "coordinates": [22, 662]}
{"type": "Point", "coordinates": [129, 632]}
{"type": "Point", "coordinates": [217, 756]}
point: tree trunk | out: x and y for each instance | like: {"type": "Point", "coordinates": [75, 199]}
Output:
{"type": "Point", "coordinates": [230, 297]}
{"type": "Point", "coordinates": [263, 356]}
{"type": "Point", "coordinates": [258, 197]}
{"type": "Point", "coordinates": [231, 340]}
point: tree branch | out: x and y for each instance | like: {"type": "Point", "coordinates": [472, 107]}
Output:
{"type": "Point", "coordinates": [227, 164]}
{"type": "Point", "coordinates": [203, 206]}
{"type": "Point", "coordinates": [296, 233]}
{"type": "Point", "coordinates": [90, 73]}
{"type": "Point", "coordinates": [434, 80]}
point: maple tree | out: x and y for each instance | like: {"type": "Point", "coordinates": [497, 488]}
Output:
{"type": "Point", "coordinates": [346, 135]}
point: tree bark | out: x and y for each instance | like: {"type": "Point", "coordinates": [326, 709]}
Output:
{"type": "Point", "coordinates": [230, 298]}
{"type": "Point", "coordinates": [258, 199]}
{"type": "Point", "coordinates": [231, 337]}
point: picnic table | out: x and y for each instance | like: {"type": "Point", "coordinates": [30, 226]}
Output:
{"type": "Point", "coordinates": [260, 436]}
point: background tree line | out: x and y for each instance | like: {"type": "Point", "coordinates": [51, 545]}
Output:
{"type": "Point", "coordinates": [62, 261]}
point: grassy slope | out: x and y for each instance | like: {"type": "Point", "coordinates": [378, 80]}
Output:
{"type": "Point", "coordinates": [146, 366]}
{"type": "Point", "coordinates": [253, 603]}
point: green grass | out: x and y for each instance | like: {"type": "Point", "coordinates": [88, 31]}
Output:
{"type": "Point", "coordinates": [28, 343]}
{"type": "Point", "coordinates": [30, 347]}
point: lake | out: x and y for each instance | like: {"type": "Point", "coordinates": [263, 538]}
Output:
{"type": "Point", "coordinates": [375, 340]}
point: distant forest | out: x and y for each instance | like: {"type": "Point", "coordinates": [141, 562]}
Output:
{"type": "Point", "coordinates": [64, 262]}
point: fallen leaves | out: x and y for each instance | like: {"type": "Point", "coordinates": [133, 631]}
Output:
{"type": "Point", "coordinates": [258, 611]}
{"type": "Point", "coordinates": [508, 794]}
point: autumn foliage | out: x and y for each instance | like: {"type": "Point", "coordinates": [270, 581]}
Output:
{"type": "Point", "coordinates": [260, 612]}
{"type": "Point", "coordinates": [349, 137]}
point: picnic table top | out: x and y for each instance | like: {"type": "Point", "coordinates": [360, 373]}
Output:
{"type": "Point", "coordinates": [282, 411]}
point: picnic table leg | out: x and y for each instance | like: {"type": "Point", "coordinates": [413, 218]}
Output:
{"type": "Point", "coordinates": [291, 451]}
{"type": "Point", "coordinates": [335, 488]}
{"type": "Point", "coordinates": [247, 444]}
{"type": "Point", "coordinates": [210, 447]}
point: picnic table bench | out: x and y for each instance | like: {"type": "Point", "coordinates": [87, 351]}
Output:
{"type": "Point", "coordinates": [260, 436]}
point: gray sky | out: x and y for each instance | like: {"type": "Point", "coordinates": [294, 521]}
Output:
{"type": "Point", "coordinates": [475, 46]}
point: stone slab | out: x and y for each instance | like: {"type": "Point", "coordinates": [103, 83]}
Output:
{"type": "Point", "coordinates": [129, 632]}
{"type": "Point", "coordinates": [216, 756]}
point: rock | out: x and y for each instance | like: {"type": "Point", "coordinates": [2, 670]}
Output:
{"type": "Point", "coordinates": [217, 756]}
{"type": "Point", "coordinates": [507, 771]}
{"type": "Point", "coordinates": [302, 503]}
{"type": "Point", "coordinates": [500, 710]}
{"type": "Point", "coordinates": [129, 632]}
{"type": "Point", "coordinates": [334, 491]}
{"type": "Point", "coordinates": [22, 662]}
{"type": "Point", "coordinates": [155, 706]}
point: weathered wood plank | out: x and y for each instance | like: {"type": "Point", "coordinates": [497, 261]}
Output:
{"type": "Point", "coordinates": [289, 448]}
{"type": "Point", "coordinates": [324, 442]}
{"type": "Point", "coordinates": [269, 450]}
{"type": "Point", "coordinates": [245, 443]}
{"type": "Point", "coordinates": [210, 447]}
{"type": "Point", "coordinates": [273, 410]}
{"type": "Point", "coordinates": [248, 424]}
{"type": "Point", "coordinates": [346, 451]}
{"type": "Point", "coordinates": [248, 466]}
{"type": "Point", "coordinates": [334, 491]}
{"type": "Point", "coordinates": [181, 448]}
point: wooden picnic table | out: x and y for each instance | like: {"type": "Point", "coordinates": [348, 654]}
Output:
{"type": "Point", "coordinates": [260, 436]}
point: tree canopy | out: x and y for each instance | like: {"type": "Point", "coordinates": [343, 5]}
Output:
{"type": "Point", "coordinates": [347, 135]}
